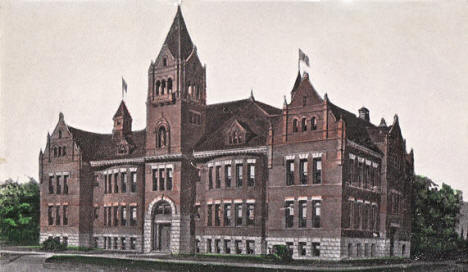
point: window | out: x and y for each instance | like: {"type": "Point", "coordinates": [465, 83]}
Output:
{"type": "Point", "coordinates": [123, 182]}
{"type": "Point", "coordinates": [227, 175]}
{"type": "Point", "coordinates": [55, 152]}
{"type": "Point", "coordinates": [360, 174]}
{"type": "Point", "coordinates": [227, 214]}
{"type": "Point", "coordinates": [161, 137]}
{"type": "Point", "coordinates": [209, 216]}
{"type": "Point", "coordinates": [217, 215]}
{"type": "Point", "coordinates": [163, 208]}
{"type": "Point", "coordinates": [123, 243]}
{"type": "Point", "coordinates": [133, 216]}
{"type": "Point", "coordinates": [238, 246]}
{"type": "Point", "coordinates": [49, 215]}
{"type": "Point", "coordinates": [109, 190]}
{"type": "Point", "coordinates": [60, 134]}
{"type": "Point", "coordinates": [250, 246]}
{"type": "Point", "coordinates": [289, 213]}
{"type": "Point", "coordinates": [164, 61]}
{"type": "Point", "coordinates": [64, 150]}
{"type": "Point", "coordinates": [134, 181]}
{"type": "Point", "coordinates": [351, 171]}
{"type": "Point", "coordinates": [313, 123]}
{"type": "Point", "coordinates": [303, 170]}
{"type": "Point", "coordinates": [304, 124]}
{"type": "Point", "coordinates": [366, 249]}
{"type": "Point", "coordinates": [197, 246]}
{"type": "Point", "coordinates": [169, 178]}
{"type": "Point", "coordinates": [65, 241]}
{"type": "Point", "coordinates": [57, 215]}
{"type": "Point", "coordinates": [96, 242]}
{"type": "Point", "coordinates": [217, 245]}
{"type": "Point", "coordinates": [218, 177]}
{"type": "Point", "coordinates": [302, 248]}
{"type": "Point", "coordinates": [197, 211]}
{"type": "Point", "coordinates": [116, 220]}
{"type": "Point", "coordinates": [116, 183]}
{"type": "Point", "coordinates": [65, 184]}
{"type": "Point", "coordinates": [105, 216]}
{"type": "Point", "coordinates": [373, 250]}
{"type": "Point", "coordinates": [239, 174]}
{"type": "Point", "coordinates": [169, 85]}
{"type": "Point", "coordinates": [356, 216]}
{"type": "Point", "coordinates": [364, 216]}
{"type": "Point", "coordinates": [163, 86]}
{"type": "Point", "coordinates": [316, 249]}
{"type": "Point", "coordinates": [227, 246]}
{"type": "Point", "coordinates": [109, 216]}
{"type": "Point", "coordinates": [350, 250]}
{"type": "Point", "coordinates": [210, 178]}
{"type": "Point", "coordinates": [51, 184]}
{"type": "Point", "coordinates": [302, 213]}
{"type": "Point", "coordinates": [161, 179]}
{"type": "Point", "coordinates": [65, 215]}
{"type": "Point", "coordinates": [158, 84]}
{"type": "Point", "coordinates": [295, 129]}
{"type": "Point", "coordinates": [289, 172]}
{"type": "Point", "coordinates": [238, 208]}
{"type": "Point", "coordinates": [132, 243]}
{"type": "Point", "coordinates": [250, 214]}
{"type": "Point", "coordinates": [366, 176]}
{"type": "Point", "coordinates": [123, 216]}
{"type": "Point", "coordinates": [316, 209]}
{"type": "Point", "coordinates": [96, 213]}
{"type": "Point", "coordinates": [116, 239]}
{"type": "Point", "coordinates": [155, 179]}
{"type": "Point", "coordinates": [358, 250]}
{"type": "Point", "coordinates": [317, 170]}
{"type": "Point", "coordinates": [208, 245]}
{"type": "Point", "coordinates": [58, 187]}
{"type": "Point", "coordinates": [251, 175]}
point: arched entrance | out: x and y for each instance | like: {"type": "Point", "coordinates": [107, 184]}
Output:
{"type": "Point", "coordinates": [161, 226]}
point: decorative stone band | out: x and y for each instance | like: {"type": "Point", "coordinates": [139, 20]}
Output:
{"type": "Point", "coordinates": [303, 155]}
{"type": "Point", "coordinates": [237, 151]}
{"type": "Point", "coordinates": [162, 166]}
{"type": "Point", "coordinates": [363, 160]}
{"type": "Point", "coordinates": [364, 149]}
{"type": "Point", "coordinates": [138, 160]}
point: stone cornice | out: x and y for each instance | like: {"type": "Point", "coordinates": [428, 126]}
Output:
{"type": "Point", "coordinates": [228, 152]}
{"type": "Point", "coordinates": [138, 160]}
{"type": "Point", "coordinates": [363, 148]}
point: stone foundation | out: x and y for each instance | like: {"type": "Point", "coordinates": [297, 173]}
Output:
{"type": "Point", "coordinates": [100, 242]}
{"type": "Point", "coordinates": [329, 248]}
{"type": "Point", "coordinates": [73, 239]}
{"type": "Point", "coordinates": [204, 247]}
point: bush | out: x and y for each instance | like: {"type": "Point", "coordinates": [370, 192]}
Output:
{"type": "Point", "coordinates": [282, 253]}
{"type": "Point", "coordinates": [52, 245]}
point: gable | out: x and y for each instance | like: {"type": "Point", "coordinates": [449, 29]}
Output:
{"type": "Point", "coordinates": [305, 94]}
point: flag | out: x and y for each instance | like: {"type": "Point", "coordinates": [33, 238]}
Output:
{"type": "Point", "coordinates": [303, 57]}
{"type": "Point", "coordinates": [124, 85]}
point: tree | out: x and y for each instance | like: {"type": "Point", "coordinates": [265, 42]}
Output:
{"type": "Point", "coordinates": [435, 215]}
{"type": "Point", "coordinates": [19, 211]}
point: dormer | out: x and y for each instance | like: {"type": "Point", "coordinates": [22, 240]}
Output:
{"type": "Point", "coordinates": [238, 133]}
{"type": "Point", "coordinates": [122, 123]}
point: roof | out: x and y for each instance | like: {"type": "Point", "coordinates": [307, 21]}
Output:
{"type": "Point", "coordinates": [178, 39]}
{"type": "Point", "coordinates": [95, 146]}
{"type": "Point", "coordinates": [122, 111]}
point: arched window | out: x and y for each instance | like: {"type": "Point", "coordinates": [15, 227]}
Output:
{"type": "Point", "coordinates": [295, 125]}
{"type": "Point", "coordinates": [189, 89]}
{"type": "Point", "coordinates": [60, 134]}
{"type": "Point", "coordinates": [313, 123]}
{"type": "Point", "coordinates": [60, 151]}
{"type": "Point", "coordinates": [164, 61]}
{"type": "Point", "coordinates": [198, 92]}
{"type": "Point", "coordinates": [169, 85]}
{"type": "Point", "coordinates": [158, 85]}
{"type": "Point", "coordinates": [55, 151]}
{"type": "Point", "coordinates": [162, 137]}
{"type": "Point", "coordinates": [163, 208]}
{"type": "Point", "coordinates": [163, 86]}
{"type": "Point", "coordinates": [304, 124]}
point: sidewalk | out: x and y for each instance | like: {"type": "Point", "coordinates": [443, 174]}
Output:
{"type": "Point", "coordinates": [292, 267]}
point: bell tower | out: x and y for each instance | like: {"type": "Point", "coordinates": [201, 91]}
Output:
{"type": "Point", "coordinates": [176, 97]}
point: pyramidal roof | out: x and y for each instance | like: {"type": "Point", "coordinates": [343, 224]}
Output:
{"type": "Point", "coordinates": [122, 111]}
{"type": "Point", "coordinates": [178, 39]}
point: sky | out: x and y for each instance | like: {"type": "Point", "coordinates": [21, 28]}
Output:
{"type": "Point", "coordinates": [394, 57]}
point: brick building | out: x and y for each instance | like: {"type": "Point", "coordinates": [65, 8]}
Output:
{"type": "Point", "coordinates": [233, 178]}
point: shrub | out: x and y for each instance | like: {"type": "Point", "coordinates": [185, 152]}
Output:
{"type": "Point", "coordinates": [282, 253]}
{"type": "Point", "coordinates": [52, 244]}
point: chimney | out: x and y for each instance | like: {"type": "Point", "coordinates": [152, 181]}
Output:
{"type": "Point", "coordinates": [364, 114]}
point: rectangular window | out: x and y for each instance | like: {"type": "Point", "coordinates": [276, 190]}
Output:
{"type": "Point", "coordinates": [302, 213]}
{"type": "Point", "coordinates": [57, 215]}
{"type": "Point", "coordinates": [360, 174]}
{"type": "Point", "coordinates": [316, 210]}
{"type": "Point", "coordinates": [197, 246]}
{"type": "Point", "coordinates": [250, 214]}
{"type": "Point", "coordinates": [134, 181]}
{"type": "Point", "coordinates": [227, 214]}
{"type": "Point", "coordinates": [210, 178]}
{"type": "Point", "coordinates": [116, 183]}
{"type": "Point", "coordinates": [109, 216]}
{"type": "Point", "coordinates": [251, 175]}
{"type": "Point", "coordinates": [290, 172]}
{"type": "Point", "coordinates": [65, 241]}
{"type": "Point", "coordinates": [161, 180]}
{"type": "Point", "coordinates": [209, 215]}
{"type": "Point", "coordinates": [105, 184]}
{"type": "Point", "coordinates": [218, 176]}
{"type": "Point", "coordinates": [155, 179]}
{"type": "Point", "coordinates": [123, 243]}
{"type": "Point", "coordinates": [217, 215]}
{"type": "Point", "coordinates": [133, 216]}
{"type": "Point", "coordinates": [238, 208]}
{"type": "Point", "coordinates": [356, 215]}
{"type": "Point", "coordinates": [65, 184]}
{"type": "Point", "coordinates": [116, 240]}
{"type": "Point", "coordinates": [302, 248]}
{"type": "Point", "coordinates": [58, 187]}
{"type": "Point", "coordinates": [105, 216]}
{"type": "Point", "coordinates": [218, 246]}
{"type": "Point", "coordinates": [317, 171]}
{"type": "Point", "coordinates": [65, 215]}
{"type": "Point", "coordinates": [238, 246]}
{"type": "Point", "coordinates": [316, 249]}
{"type": "Point", "coordinates": [123, 182]}
{"type": "Point", "coordinates": [197, 211]}
{"type": "Point", "coordinates": [96, 242]}
{"type": "Point", "coordinates": [116, 220]}
{"type": "Point", "coordinates": [366, 176]}
{"type": "Point", "coordinates": [169, 178]}
{"type": "Point", "coordinates": [239, 172]}
{"type": "Point", "coordinates": [227, 246]}
{"type": "Point", "coordinates": [303, 171]}
{"type": "Point", "coordinates": [132, 243]}
{"type": "Point", "coordinates": [123, 216]}
{"type": "Point", "coordinates": [250, 246]}
{"type": "Point", "coordinates": [208, 245]}
{"type": "Point", "coordinates": [227, 175]}
{"type": "Point", "coordinates": [109, 243]}
{"type": "Point", "coordinates": [364, 217]}
{"type": "Point", "coordinates": [51, 184]}
{"type": "Point", "coordinates": [109, 190]}
{"type": "Point", "coordinates": [351, 171]}
{"type": "Point", "coordinates": [49, 215]}
{"type": "Point", "coordinates": [289, 213]}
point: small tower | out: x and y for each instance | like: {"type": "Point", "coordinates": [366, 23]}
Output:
{"type": "Point", "coordinates": [122, 123]}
